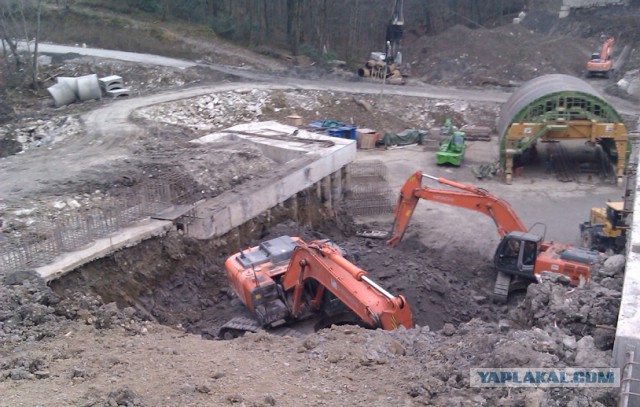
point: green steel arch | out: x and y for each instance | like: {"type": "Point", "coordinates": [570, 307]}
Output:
{"type": "Point", "coordinates": [553, 98]}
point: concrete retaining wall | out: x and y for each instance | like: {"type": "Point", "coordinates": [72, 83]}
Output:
{"type": "Point", "coordinates": [320, 163]}
{"type": "Point", "coordinates": [628, 328]}
{"type": "Point", "coordinates": [592, 3]}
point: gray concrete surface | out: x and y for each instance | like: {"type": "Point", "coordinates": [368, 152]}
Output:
{"type": "Point", "coordinates": [215, 217]}
{"type": "Point", "coordinates": [126, 237]}
{"type": "Point", "coordinates": [308, 164]}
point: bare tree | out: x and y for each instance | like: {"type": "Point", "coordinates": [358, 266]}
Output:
{"type": "Point", "coordinates": [15, 29]}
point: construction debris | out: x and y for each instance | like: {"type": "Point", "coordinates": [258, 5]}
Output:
{"type": "Point", "coordinates": [476, 133]}
{"type": "Point", "coordinates": [68, 90]}
{"type": "Point", "coordinates": [113, 86]}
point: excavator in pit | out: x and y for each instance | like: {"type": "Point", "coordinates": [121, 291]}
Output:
{"type": "Point", "coordinates": [285, 281]}
{"type": "Point", "coordinates": [521, 255]}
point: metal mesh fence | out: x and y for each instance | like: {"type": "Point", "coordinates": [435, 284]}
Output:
{"type": "Point", "coordinates": [370, 193]}
{"type": "Point", "coordinates": [75, 230]}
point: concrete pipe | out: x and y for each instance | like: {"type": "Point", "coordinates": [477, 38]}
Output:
{"type": "Point", "coordinates": [62, 94]}
{"type": "Point", "coordinates": [89, 87]}
{"type": "Point", "coordinates": [364, 73]}
{"type": "Point", "coordinates": [71, 82]}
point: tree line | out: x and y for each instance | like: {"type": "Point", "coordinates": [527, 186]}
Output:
{"type": "Point", "coordinates": [321, 29]}
{"type": "Point", "coordinates": [346, 29]}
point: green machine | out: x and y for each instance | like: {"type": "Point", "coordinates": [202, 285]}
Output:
{"type": "Point", "coordinates": [451, 150]}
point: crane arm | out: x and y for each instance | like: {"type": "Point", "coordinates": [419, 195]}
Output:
{"type": "Point", "coordinates": [395, 32]}
{"type": "Point", "coordinates": [325, 264]}
{"type": "Point", "coordinates": [466, 196]}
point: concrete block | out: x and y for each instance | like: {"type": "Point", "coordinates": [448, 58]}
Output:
{"type": "Point", "coordinates": [118, 92]}
{"type": "Point", "coordinates": [112, 82]}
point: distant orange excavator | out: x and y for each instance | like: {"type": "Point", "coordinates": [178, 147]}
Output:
{"type": "Point", "coordinates": [601, 63]}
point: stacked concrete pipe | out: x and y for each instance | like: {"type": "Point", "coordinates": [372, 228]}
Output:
{"type": "Point", "coordinates": [68, 90]}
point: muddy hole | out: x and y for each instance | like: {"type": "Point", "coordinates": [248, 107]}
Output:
{"type": "Point", "coordinates": [180, 282]}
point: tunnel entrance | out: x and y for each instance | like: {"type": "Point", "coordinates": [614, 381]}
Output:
{"type": "Point", "coordinates": [567, 161]}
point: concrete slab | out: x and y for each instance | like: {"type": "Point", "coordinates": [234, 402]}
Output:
{"type": "Point", "coordinates": [126, 237]}
{"type": "Point", "coordinates": [172, 213]}
{"type": "Point", "coordinates": [304, 164]}
{"type": "Point", "coordinates": [114, 93]}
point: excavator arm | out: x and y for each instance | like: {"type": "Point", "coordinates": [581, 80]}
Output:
{"type": "Point", "coordinates": [325, 264]}
{"type": "Point", "coordinates": [601, 63]}
{"type": "Point", "coordinates": [607, 46]}
{"type": "Point", "coordinates": [464, 196]}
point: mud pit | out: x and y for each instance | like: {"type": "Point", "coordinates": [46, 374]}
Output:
{"type": "Point", "coordinates": [181, 282]}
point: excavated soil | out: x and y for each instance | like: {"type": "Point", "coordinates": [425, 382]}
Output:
{"type": "Point", "coordinates": [181, 282]}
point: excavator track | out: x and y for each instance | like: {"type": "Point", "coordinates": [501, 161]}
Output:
{"type": "Point", "coordinates": [501, 289]}
{"type": "Point", "coordinates": [238, 326]}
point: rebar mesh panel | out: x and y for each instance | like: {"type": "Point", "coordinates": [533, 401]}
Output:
{"type": "Point", "coordinates": [369, 194]}
{"type": "Point", "coordinates": [370, 168]}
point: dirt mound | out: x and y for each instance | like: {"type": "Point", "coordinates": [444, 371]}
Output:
{"type": "Point", "coordinates": [110, 357]}
{"type": "Point", "coordinates": [501, 56]}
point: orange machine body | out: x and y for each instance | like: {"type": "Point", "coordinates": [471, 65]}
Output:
{"type": "Point", "coordinates": [601, 63]}
{"type": "Point", "coordinates": [547, 256]}
{"type": "Point", "coordinates": [286, 279]}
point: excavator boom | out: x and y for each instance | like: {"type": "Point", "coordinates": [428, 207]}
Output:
{"type": "Point", "coordinates": [325, 264]}
{"type": "Point", "coordinates": [464, 196]}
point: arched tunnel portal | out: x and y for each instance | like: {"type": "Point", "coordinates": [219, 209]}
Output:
{"type": "Point", "coordinates": [558, 107]}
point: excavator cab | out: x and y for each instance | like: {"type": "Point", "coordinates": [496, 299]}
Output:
{"type": "Point", "coordinates": [516, 254]}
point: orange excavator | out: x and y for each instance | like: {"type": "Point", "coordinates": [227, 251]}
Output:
{"type": "Point", "coordinates": [601, 63]}
{"type": "Point", "coordinates": [285, 280]}
{"type": "Point", "coordinates": [521, 255]}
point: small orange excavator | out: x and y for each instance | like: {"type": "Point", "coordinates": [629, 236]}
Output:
{"type": "Point", "coordinates": [601, 63]}
{"type": "Point", "coordinates": [285, 280]}
{"type": "Point", "coordinates": [520, 256]}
